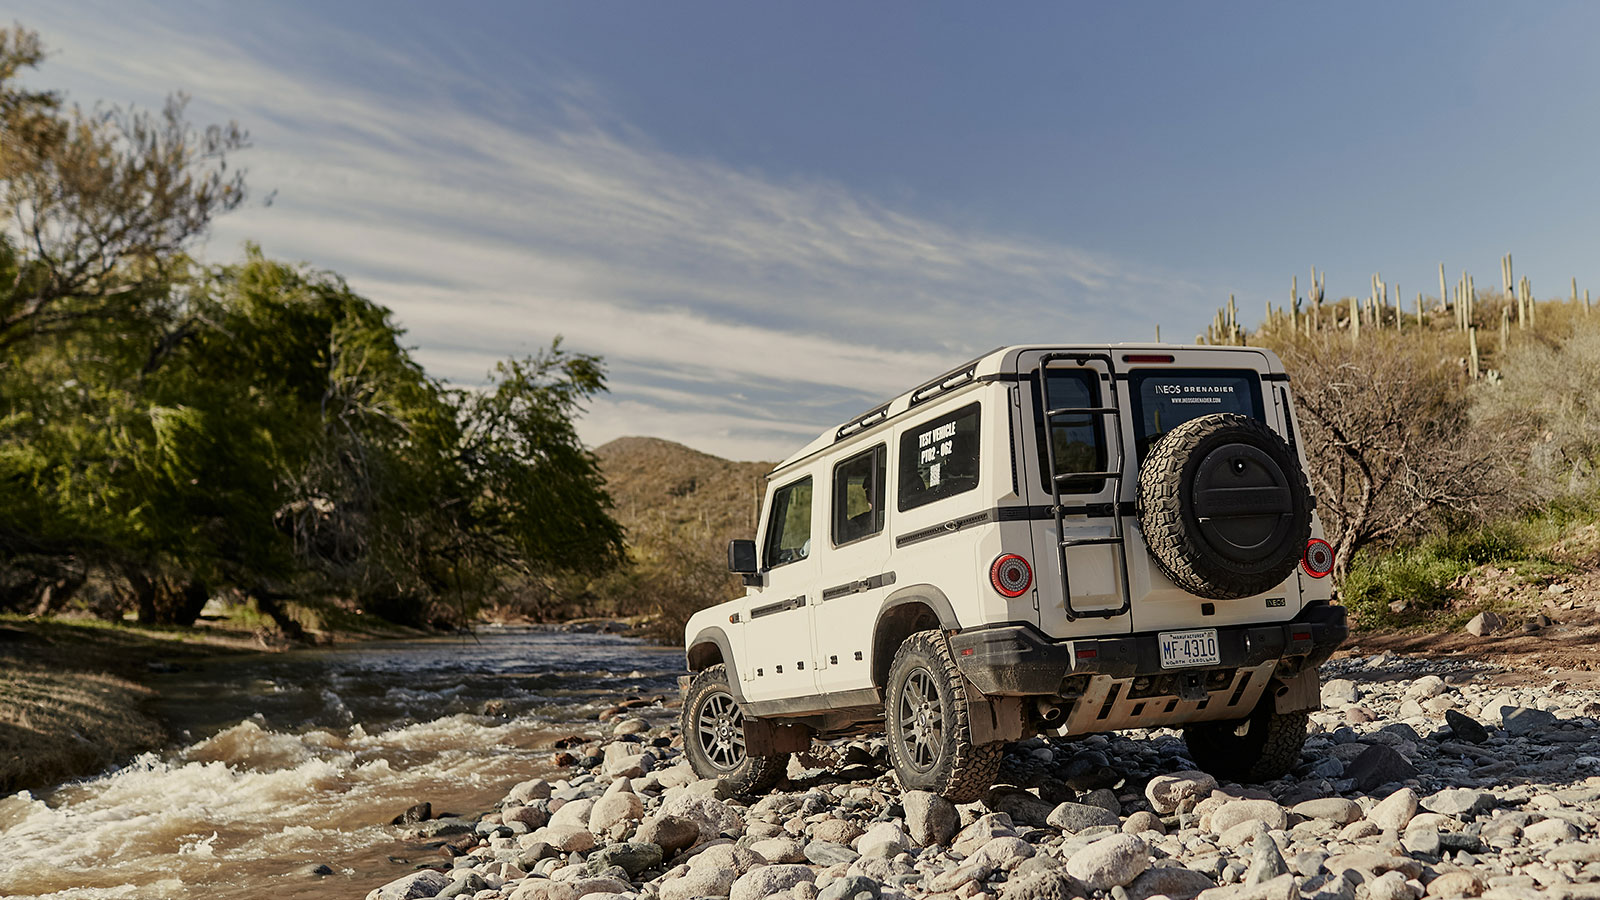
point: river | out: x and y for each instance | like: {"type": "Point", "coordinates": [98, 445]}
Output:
{"type": "Point", "coordinates": [292, 759]}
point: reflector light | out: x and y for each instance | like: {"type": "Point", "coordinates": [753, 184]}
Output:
{"type": "Point", "coordinates": [1147, 357]}
{"type": "Point", "coordinates": [1300, 635]}
{"type": "Point", "coordinates": [1010, 575]}
{"type": "Point", "coordinates": [967, 651]}
{"type": "Point", "coordinates": [1088, 653]}
{"type": "Point", "coordinates": [1318, 561]}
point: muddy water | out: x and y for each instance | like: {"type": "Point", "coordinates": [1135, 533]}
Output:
{"type": "Point", "coordinates": [301, 758]}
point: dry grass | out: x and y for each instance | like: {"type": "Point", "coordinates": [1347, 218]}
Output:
{"type": "Point", "coordinates": [57, 725]}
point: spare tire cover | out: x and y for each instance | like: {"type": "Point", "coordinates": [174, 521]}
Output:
{"type": "Point", "coordinates": [1224, 506]}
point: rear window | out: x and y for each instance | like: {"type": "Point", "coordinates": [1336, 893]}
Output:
{"type": "Point", "coordinates": [1079, 440]}
{"type": "Point", "coordinates": [1166, 398]}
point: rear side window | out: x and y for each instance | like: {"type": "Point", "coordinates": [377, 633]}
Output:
{"type": "Point", "coordinates": [939, 458]}
{"type": "Point", "coordinates": [1165, 399]}
{"type": "Point", "coordinates": [1079, 439]}
{"type": "Point", "coordinates": [858, 495]}
{"type": "Point", "coordinates": [789, 525]}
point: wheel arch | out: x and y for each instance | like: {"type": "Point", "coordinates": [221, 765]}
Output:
{"type": "Point", "coordinates": [905, 612]}
{"type": "Point", "coordinates": [709, 647]}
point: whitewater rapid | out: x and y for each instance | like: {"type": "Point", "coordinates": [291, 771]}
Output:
{"type": "Point", "coordinates": [321, 750]}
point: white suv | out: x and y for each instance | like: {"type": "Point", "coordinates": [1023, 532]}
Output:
{"type": "Point", "coordinates": [1056, 540]}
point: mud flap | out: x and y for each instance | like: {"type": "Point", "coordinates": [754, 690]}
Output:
{"type": "Point", "coordinates": [765, 737]}
{"type": "Point", "coordinates": [993, 719]}
{"type": "Point", "coordinates": [1302, 693]}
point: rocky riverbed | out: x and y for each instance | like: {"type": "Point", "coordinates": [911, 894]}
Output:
{"type": "Point", "coordinates": [1420, 778]}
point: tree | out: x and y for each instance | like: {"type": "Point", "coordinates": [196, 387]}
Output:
{"type": "Point", "coordinates": [100, 206]}
{"type": "Point", "coordinates": [1390, 443]}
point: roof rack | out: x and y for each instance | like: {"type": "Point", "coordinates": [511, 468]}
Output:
{"type": "Point", "coordinates": [954, 378]}
{"type": "Point", "coordinates": [866, 420]}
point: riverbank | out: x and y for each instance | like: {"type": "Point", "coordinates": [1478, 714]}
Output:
{"type": "Point", "coordinates": [75, 697]}
{"type": "Point", "coordinates": [1420, 778]}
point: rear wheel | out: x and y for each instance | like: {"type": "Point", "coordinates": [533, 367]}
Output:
{"type": "Point", "coordinates": [930, 738]}
{"type": "Point", "coordinates": [713, 737]}
{"type": "Point", "coordinates": [1263, 747]}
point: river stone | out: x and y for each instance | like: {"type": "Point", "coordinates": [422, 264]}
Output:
{"type": "Point", "coordinates": [769, 880]}
{"type": "Point", "coordinates": [1002, 853]}
{"type": "Point", "coordinates": [827, 853]}
{"type": "Point", "coordinates": [1459, 802]}
{"type": "Point", "coordinates": [614, 809]}
{"type": "Point", "coordinates": [1075, 817]}
{"type": "Point", "coordinates": [632, 857]}
{"type": "Point", "coordinates": [1550, 830]}
{"type": "Point", "coordinates": [1110, 862]}
{"type": "Point", "coordinates": [851, 887]}
{"type": "Point", "coordinates": [1394, 812]}
{"type": "Point", "coordinates": [573, 812]}
{"type": "Point", "coordinates": [1143, 821]}
{"type": "Point", "coordinates": [1023, 807]}
{"type": "Point", "coordinates": [1330, 809]}
{"type": "Point", "coordinates": [1377, 766]}
{"type": "Point", "coordinates": [426, 883]}
{"type": "Point", "coordinates": [883, 839]}
{"type": "Point", "coordinates": [1425, 687]}
{"type": "Point", "coordinates": [1340, 692]}
{"type": "Point", "coordinates": [1266, 863]}
{"type": "Point", "coordinates": [1235, 812]}
{"type": "Point", "coordinates": [1574, 853]}
{"type": "Point", "coordinates": [985, 829]}
{"type": "Point", "coordinates": [1284, 887]}
{"type": "Point", "coordinates": [566, 838]}
{"type": "Point", "coordinates": [1166, 792]}
{"type": "Point", "coordinates": [780, 850]}
{"type": "Point", "coordinates": [1050, 884]}
{"type": "Point", "coordinates": [1390, 886]}
{"type": "Point", "coordinates": [706, 882]}
{"type": "Point", "coordinates": [531, 816]}
{"type": "Point", "coordinates": [1521, 720]}
{"type": "Point", "coordinates": [1456, 884]}
{"type": "Point", "coordinates": [547, 889]}
{"type": "Point", "coordinates": [711, 816]}
{"type": "Point", "coordinates": [529, 791]}
{"type": "Point", "coordinates": [930, 819]}
{"type": "Point", "coordinates": [836, 831]}
{"type": "Point", "coordinates": [732, 857]}
{"type": "Point", "coordinates": [631, 725]}
{"type": "Point", "coordinates": [1174, 882]}
{"type": "Point", "coordinates": [446, 827]}
{"type": "Point", "coordinates": [1465, 727]}
{"type": "Point", "coordinates": [673, 834]}
{"type": "Point", "coordinates": [463, 883]}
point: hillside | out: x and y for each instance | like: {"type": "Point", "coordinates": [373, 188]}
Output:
{"type": "Point", "coordinates": [680, 508]}
{"type": "Point", "coordinates": [652, 480]}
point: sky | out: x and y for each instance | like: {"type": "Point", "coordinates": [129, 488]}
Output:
{"type": "Point", "coordinates": [769, 217]}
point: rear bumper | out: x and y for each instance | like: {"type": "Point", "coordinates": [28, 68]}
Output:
{"type": "Point", "coordinates": [1019, 659]}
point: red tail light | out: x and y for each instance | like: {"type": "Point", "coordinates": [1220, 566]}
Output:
{"type": "Point", "coordinates": [1318, 561]}
{"type": "Point", "coordinates": [1147, 357]}
{"type": "Point", "coordinates": [1010, 575]}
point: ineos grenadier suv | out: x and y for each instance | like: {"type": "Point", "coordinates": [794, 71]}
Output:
{"type": "Point", "coordinates": [1045, 540]}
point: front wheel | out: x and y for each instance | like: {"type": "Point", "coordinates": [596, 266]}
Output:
{"type": "Point", "coordinates": [930, 738]}
{"type": "Point", "coordinates": [713, 737]}
{"type": "Point", "coordinates": [1263, 747]}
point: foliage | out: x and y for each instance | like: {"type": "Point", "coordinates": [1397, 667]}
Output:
{"type": "Point", "coordinates": [171, 433]}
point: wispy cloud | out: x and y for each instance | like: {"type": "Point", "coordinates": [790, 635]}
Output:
{"type": "Point", "coordinates": [740, 312]}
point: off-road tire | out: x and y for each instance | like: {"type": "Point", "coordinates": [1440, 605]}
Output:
{"type": "Point", "coordinates": [1188, 547]}
{"type": "Point", "coordinates": [1268, 749]}
{"type": "Point", "coordinates": [710, 703]}
{"type": "Point", "coordinates": [925, 719]}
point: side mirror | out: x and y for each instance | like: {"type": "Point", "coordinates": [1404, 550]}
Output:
{"type": "Point", "coordinates": [742, 557]}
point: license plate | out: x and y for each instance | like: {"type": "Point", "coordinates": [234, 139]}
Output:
{"type": "Point", "coordinates": [1188, 648]}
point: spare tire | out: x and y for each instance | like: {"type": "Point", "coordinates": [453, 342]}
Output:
{"type": "Point", "coordinates": [1224, 506]}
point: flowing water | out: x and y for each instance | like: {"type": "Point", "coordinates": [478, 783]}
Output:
{"type": "Point", "coordinates": [299, 758]}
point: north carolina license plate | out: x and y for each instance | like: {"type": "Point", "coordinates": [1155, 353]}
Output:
{"type": "Point", "coordinates": [1188, 648]}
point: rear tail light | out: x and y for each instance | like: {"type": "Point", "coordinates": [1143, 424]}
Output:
{"type": "Point", "coordinates": [1318, 561]}
{"type": "Point", "coordinates": [1147, 357]}
{"type": "Point", "coordinates": [1010, 575]}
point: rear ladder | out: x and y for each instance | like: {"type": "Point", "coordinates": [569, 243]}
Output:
{"type": "Point", "coordinates": [1114, 475]}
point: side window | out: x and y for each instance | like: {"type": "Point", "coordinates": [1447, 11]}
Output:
{"type": "Point", "coordinates": [858, 495]}
{"type": "Point", "coordinates": [939, 458]}
{"type": "Point", "coordinates": [789, 525]}
{"type": "Point", "coordinates": [1079, 441]}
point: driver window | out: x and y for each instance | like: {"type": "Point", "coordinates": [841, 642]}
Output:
{"type": "Point", "coordinates": [789, 527]}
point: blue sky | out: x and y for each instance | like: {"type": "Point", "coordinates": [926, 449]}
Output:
{"type": "Point", "coordinates": [770, 216]}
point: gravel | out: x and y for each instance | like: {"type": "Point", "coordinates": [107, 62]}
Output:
{"type": "Point", "coordinates": [1419, 779]}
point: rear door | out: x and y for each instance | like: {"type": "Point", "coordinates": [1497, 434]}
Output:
{"type": "Point", "coordinates": [1071, 391]}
